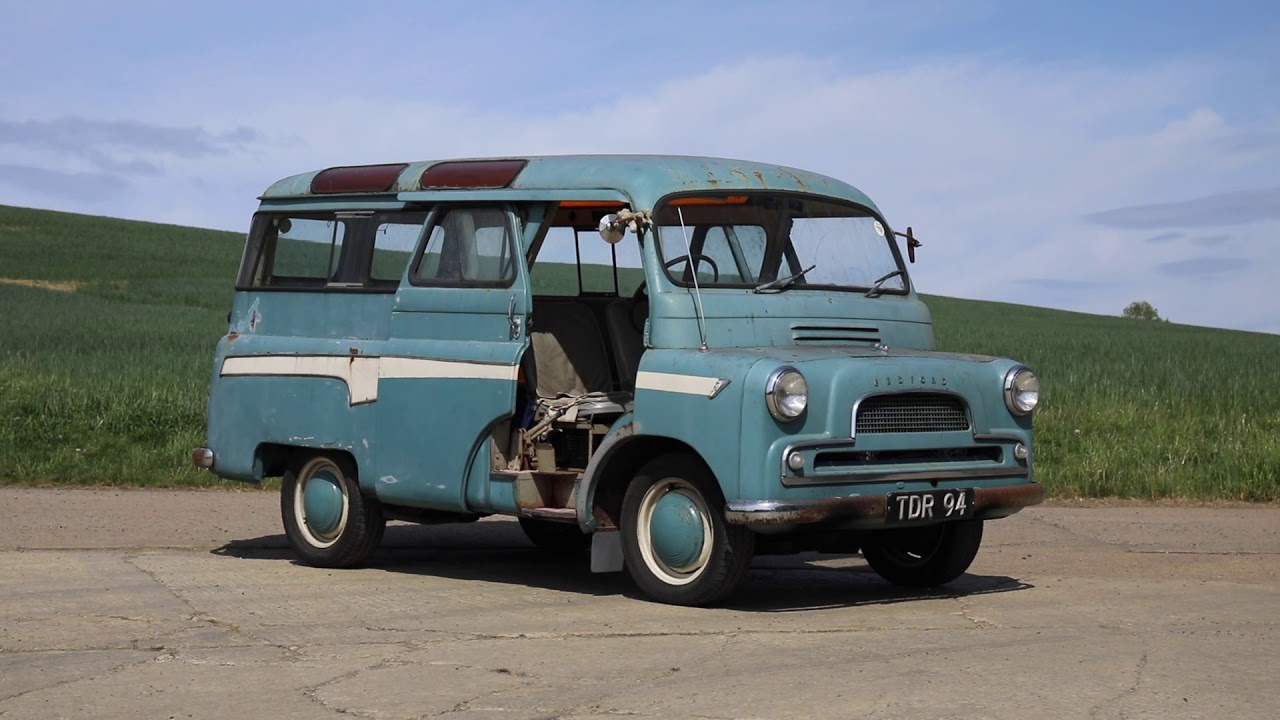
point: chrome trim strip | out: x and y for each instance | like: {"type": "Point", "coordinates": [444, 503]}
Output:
{"type": "Point", "coordinates": [904, 476]}
{"type": "Point", "coordinates": [997, 438]}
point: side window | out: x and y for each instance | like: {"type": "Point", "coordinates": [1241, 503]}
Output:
{"type": "Point", "coordinates": [307, 247]}
{"type": "Point", "coordinates": [468, 247]}
{"type": "Point", "coordinates": [394, 239]}
{"type": "Point", "coordinates": [346, 251]}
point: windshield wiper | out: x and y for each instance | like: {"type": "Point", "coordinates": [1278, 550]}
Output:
{"type": "Point", "coordinates": [875, 290]}
{"type": "Point", "coordinates": [781, 283]}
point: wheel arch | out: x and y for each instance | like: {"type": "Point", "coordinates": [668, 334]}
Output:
{"type": "Point", "coordinates": [275, 459]}
{"type": "Point", "coordinates": [611, 469]}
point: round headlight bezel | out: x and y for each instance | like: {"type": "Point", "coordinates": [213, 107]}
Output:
{"type": "Point", "coordinates": [1018, 383]}
{"type": "Point", "coordinates": [780, 386]}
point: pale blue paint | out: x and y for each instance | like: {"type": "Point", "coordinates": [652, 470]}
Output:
{"type": "Point", "coordinates": [424, 443]}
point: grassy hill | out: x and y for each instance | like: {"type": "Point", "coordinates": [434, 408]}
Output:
{"type": "Point", "coordinates": [107, 329]}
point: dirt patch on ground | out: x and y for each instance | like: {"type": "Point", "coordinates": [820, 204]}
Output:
{"type": "Point", "coordinates": [57, 285]}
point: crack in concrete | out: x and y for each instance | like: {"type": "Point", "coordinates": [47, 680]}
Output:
{"type": "Point", "coordinates": [312, 692]}
{"type": "Point", "coordinates": [111, 671]}
{"type": "Point", "coordinates": [1138, 675]}
{"type": "Point", "coordinates": [200, 616]}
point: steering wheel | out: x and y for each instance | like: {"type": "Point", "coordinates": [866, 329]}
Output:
{"type": "Point", "coordinates": [696, 259]}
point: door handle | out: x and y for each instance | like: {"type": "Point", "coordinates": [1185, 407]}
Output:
{"type": "Point", "coordinates": [512, 320]}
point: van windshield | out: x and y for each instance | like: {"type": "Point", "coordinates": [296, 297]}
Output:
{"type": "Point", "coordinates": [748, 240]}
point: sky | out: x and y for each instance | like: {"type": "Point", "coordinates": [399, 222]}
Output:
{"type": "Point", "coordinates": [1079, 155]}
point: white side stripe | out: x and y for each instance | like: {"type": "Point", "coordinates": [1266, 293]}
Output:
{"type": "Point", "coordinates": [401, 367]}
{"type": "Point", "coordinates": [361, 374]}
{"type": "Point", "coordinates": [670, 382]}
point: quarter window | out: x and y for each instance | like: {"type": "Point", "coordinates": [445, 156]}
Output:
{"type": "Point", "coordinates": [393, 242]}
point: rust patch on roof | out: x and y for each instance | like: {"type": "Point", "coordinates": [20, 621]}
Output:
{"type": "Point", "coordinates": [799, 181]}
{"type": "Point", "coordinates": [56, 285]}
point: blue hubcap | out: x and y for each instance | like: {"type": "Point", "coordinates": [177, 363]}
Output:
{"type": "Point", "coordinates": [676, 530]}
{"type": "Point", "coordinates": [322, 501]}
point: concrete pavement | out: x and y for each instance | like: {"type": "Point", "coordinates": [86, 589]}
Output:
{"type": "Point", "coordinates": [143, 604]}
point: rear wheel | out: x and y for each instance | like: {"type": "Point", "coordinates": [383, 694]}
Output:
{"type": "Point", "coordinates": [556, 538]}
{"type": "Point", "coordinates": [675, 542]}
{"type": "Point", "coordinates": [328, 522]}
{"type": "Point", "coordinates": [923, 556]}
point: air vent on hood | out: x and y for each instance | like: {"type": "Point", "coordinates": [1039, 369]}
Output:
{"type": "Point", "coordinates": [834, 334]}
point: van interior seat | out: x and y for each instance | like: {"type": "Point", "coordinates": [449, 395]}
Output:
{"type": "Point", "coordinates": [624, 319]}
{"type": "Point", "coordinates": [570, 360]}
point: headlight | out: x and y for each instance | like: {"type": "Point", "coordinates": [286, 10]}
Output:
{"type": "Point", "coordinates": [1021, 390]}
{"type": "Point", "coordinates": [786, 393]}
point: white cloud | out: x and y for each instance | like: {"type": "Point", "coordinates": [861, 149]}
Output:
{"type": "Point", "coordinates": [994, 164]}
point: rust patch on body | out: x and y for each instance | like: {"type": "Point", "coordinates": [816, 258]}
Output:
{"type": "Point", "coordinates": [55, 285]}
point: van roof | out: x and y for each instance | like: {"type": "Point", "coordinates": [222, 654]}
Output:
{"type": "Point", "coordinates": [643, 177]}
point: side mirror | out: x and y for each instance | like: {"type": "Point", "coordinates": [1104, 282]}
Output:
{"type": "Point", "coordinates": [612, 228]}
{"type": "Point", "coordinates": [912, 243]}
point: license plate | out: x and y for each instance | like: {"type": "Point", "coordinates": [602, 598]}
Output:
{"type": "Point", "coordinates": [929, 505]}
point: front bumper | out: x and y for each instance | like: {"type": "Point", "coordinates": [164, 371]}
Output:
{"type": "Point", "coordinates": [869, 510]}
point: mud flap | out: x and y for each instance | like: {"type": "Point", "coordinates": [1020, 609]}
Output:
{"type": "Point", "coordinates": [606, 551]}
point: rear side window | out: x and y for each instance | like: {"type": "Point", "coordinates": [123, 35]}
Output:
{"type": "Point", "coordinates": [468, 247]}
{"type": "Point", "coordinates": [307, 247]}
{"type": "Point", "coordinates": [356, 250]}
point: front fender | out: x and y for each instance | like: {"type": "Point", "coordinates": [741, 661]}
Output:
{"type": "Point", "coordinates": [623, 430]}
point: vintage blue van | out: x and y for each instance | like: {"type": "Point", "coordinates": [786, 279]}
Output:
{"type": "Point", "coordinates": [678, 362]}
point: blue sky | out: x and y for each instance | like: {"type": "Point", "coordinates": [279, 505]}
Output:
{"type": "Point", "coordinates": [1077, 155]}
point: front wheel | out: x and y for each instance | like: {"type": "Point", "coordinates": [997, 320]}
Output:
{"type": "Point", "coordinates": [328, 522]}
{"type": "Point", "coordinates": [923, 556]}
{"type": "Point", "coordinates": [676, 544]}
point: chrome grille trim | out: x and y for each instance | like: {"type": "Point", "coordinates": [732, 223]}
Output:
{"type": "Point", "coordinates": [910, 412]}
{"type": "Point", "coordinates": [833, 334]}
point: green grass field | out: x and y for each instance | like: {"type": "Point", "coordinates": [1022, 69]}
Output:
{"type": "Point", "coordinates": [107, 330]}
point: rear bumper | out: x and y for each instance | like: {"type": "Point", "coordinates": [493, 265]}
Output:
{"type": "Point", "coordinates": [989, 503]}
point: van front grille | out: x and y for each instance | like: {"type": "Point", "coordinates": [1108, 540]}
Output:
{"type": "Point", "coordinates": [911, 413]}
